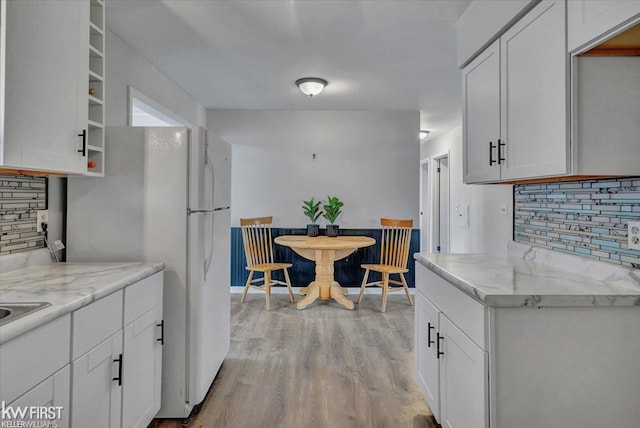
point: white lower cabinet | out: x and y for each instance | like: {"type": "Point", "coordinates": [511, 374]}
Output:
{"type": "Point", "coordinates": [482, 366]}
{"type": "Point", "coordinates": [51, 394]}
{"type": "Point", "coordinates": [97, 386]}
{"type": "Point", "coordinates": [427, 367]}
{"type": "Point", "coordinates": [142, 368]}
{"type": "Point", "coordinates": [117, 382]}
{"type": "Point", "coordinates": [101, 364]}
{"type": "Point", "coordinates": [452, 370]}
{"type": "Point", "coordinates": [463, 379]}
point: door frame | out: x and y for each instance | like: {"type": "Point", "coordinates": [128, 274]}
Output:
{"type": "Point", "coordinates": [433, 206]}
{"type": "Point", "coordinates": [425, 226]}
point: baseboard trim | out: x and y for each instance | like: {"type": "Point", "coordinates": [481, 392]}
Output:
{"type": "Point", "coordinates": [296, 290]}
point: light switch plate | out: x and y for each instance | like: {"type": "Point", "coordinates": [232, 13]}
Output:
{"type": "Point", "coordinates": [633, 229]}
{"type": "Point", "coordinates": [462, 212]}
{"type": "Point", "coordinates": [42, 216]}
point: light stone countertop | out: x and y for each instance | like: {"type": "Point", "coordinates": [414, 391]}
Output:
{"type": "Point", "coordinates": [516, 281]}
{"type": "Point", "coordinates": [66, 286]}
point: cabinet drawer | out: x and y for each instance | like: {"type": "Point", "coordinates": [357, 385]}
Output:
{"type": "Point", "coordinates": [142, 297]}
{"type": "Point", "coordinates": [29, 359]}
{"type": "Point", "coordinates": [468, 314]}
{"type": "Point", "coordinates": [96, 322]}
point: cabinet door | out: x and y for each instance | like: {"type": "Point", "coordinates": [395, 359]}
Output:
{"type": "Point", "coordinates": [481, 116]}
{"type": "Point", "coordinates": [52, 392]}
{"type": "Point", "coordinates": [587, 20]}
{"type": "Point", "coordinates": [142, 369]}
{"type": "Point", "coordinates": [464, 380]}
{"type": "Point", "coordinates": [96, 396]}
{"type": "Point", "coordinates": [534, 97]}
{"type": "Point", "coordinates": [46, 47]}
{"type": "Point", "coordinates": [427, 368]}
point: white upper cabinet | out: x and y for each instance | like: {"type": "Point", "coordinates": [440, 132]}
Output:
{"type": "Point", "coordinates": [484, 21]}
{"type": "Point", "coordinates": [481, 116]}
{"type": "Point", "coordinates": [606, 109]}
{"type": "Point", "coordinates": [534, 95]}
{"type": "Point", "coordinates": [45, 63]}
{"type": "Point", "coordinates": [515, 101]}
{"type": "Point", "coordinates": [588, 20]}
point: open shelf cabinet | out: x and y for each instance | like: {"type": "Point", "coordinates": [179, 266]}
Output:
{"type": "Point", "coordinates": [95, 97]}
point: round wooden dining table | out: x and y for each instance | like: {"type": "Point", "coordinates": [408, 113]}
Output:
{"type": "Point", "coordinates": [324, 251]}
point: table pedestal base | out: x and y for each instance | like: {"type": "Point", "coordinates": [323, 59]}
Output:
{"type": "Point", "coordinates": [324, 287]}
{"type": "Point", "coordinates": [312, 293]}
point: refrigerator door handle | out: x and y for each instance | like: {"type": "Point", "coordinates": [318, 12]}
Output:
{"type": "Point", "coordinates": [190, 211]}
{"type": "Point", "coordinates": [208, 260]}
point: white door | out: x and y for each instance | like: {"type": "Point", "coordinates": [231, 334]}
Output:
{"type": "Point", "coordinates": [142, 369]}
{"type": "Point", "coordinates": [481, 116]}
{"type": "Point", "coordinates": [441, 205]}
{"type": "Point", "coordinates": [534, 97]}
{"type": "Point", "coordinates": [425, 217]}
{"type": "Point", "coordinates": [463, 379]}
{"type": "Point", "coordinates": [589, 19]}
{"type": "Point", "coordinates": [51, 392]}
{"type": "Point", "coordinates": [46, 71]}
{"type": "Point", "coordinates": [97, 390]}
{"type": "Point", "coordinates": [427, 367]}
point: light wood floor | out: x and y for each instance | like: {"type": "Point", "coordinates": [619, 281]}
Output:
{"type": "Point", "coordinates": [322, 367]}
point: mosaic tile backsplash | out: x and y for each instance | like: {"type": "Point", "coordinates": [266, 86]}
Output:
{"type": "Point", "coordinates": [21, 197]}
{"type": "Point", "coordinates": [585, 218]}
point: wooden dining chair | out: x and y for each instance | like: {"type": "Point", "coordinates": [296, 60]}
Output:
{"type": "Point", "coordinates": [394, 253]}
{"type": "Point", "coordinates": [258, 249]}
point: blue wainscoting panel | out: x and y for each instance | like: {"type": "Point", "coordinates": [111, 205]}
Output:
{"type": "Point", "coordinates": [346, 271]}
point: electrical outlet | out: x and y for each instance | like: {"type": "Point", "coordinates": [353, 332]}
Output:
{"type": "Point", "coordinates": [633, 229]}
{"type": "Point", "coordinates": [42, 216]}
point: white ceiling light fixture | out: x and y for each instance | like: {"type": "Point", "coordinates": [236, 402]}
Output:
{"type": "Point", "coordinates": [423, 134]}
{"type": "Point", "coordinates": [311, 85]}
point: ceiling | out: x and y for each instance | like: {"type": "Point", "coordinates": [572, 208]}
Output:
{"type": "Point", "coordinates": [376, 55]}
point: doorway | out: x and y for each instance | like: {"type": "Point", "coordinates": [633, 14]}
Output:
{"type": "Point", "coordinates": [143, 111]}
{"type": "Point", "coordinates": [425, 204]}
{"type": "Point", "coordinates": [440, 224]}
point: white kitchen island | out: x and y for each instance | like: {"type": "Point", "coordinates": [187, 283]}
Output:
{"type": "Point", "coordinates": [525, 341]}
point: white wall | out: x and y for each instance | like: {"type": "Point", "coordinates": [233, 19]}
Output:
{"type": "Point", "coordinates": [125, 67]}
{"type": "Point", "coordinates": [488, 230]}
{"type": "Point", "coordinates": [369, 159]}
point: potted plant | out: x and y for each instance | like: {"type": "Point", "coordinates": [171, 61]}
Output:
{"type": "Point", "coordinates": [311, 209]}
{"type": "Point", "coordinates": [331, 213]}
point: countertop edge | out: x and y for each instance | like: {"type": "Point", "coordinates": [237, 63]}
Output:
{"type": "Point", "coordinates": [459, 283]}
{"type": "Point", "coordinates": [37, 319]}
{"type": "Point", "coordinates": [530, 300]}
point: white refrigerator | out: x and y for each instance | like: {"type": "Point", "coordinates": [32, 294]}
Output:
{"type": "Point", "coordinates": [166, 197]}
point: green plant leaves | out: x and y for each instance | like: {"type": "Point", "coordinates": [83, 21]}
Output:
{"type": "Point", "coordinates": [311, 209]}
{"type": "Point", "coordinates": [332, 209]}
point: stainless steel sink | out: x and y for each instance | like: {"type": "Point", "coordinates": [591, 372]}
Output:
{"type": "Point", "coordinates": [12, 311]}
